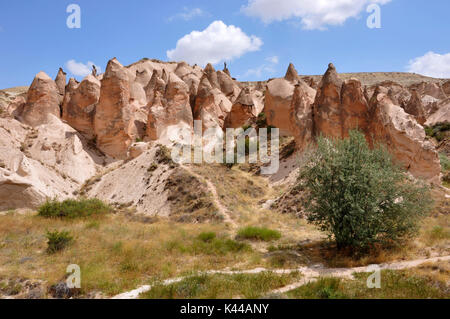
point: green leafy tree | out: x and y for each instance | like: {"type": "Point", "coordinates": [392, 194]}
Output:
{"type": "Point", "coordinates": [358, 195]}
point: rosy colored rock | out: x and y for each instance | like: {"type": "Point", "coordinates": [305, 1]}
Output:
{"type": "Point", "coordinates": [398, 94]}
{"type": "Point", "coordinates": [292, 74]}
{"type": "Point", "coordinates": [212, 76]}
{"type": "Point", "coordinates": [228, 86]}
{"type": "Point", "coordinates": [170, 110]}
{"type": "Point", "coordinates": [246, 108]}
{"type": "Point", "coordinates": [43, 99]}
{"type": "Point", "coordinates": [190, 77]}
{"type": "Point", "coordinates": [405, 139]}
{"type": "Point", "coordinates": [446, 88]}
{"type": "Point", "coordinates": [428, 88]}
{"type": "Point", "coordinates": [355, 108]}
{"type": "Point", "coordinates": [113, 122]}
{"type": "Point", "coordinates": [211, 105]}
{"type": "Point", "coordinates": [301, 118]}
{"type": "Point", "coordinates": [278, 101]}
{"type": "Point", "coordinates": [79, 109]}
{"type": "Point", "coordinates": [327, 106]}
{"type": "Point", "coordinates": [441, 115]}
{"type": "Point", "coordinates": [156, 84]}
{"type": "Point", "coordinates": [415, 107]}
{"type": "Point", "coordinates": [61, 82]}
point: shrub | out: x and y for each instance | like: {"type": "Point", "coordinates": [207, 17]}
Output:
{"type": "Point", "coordinates": [152, 168]}
{"type": "Point", "coordinates": [358, 195]}
{"type": "Point", "coordinates": [57, 241]}
{"type": "Point", "coordinates": [207, 236]}
{"type": "Point", "coordinates": [445, 162]}
{"type": "Point", "coordinates": [164, 155]}
{"type": "Point", "coordinates": [438, 131]}
{"type": "Point", "coordinates": [256, 233]}
{"type": "Point", "coordinates": [262, 120]}
{"type": "Point", "coordinates": [73, 208]}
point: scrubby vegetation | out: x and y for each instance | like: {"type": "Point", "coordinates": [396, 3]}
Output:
{"type": "Point", "coordinates": [208, 243]}
{"type": "Point", "coordinates": [58, 240]}
{"type": "Point", "coordinates": [358, 195]}
{"type": "Point", "coordinates": [164, 156]}
{"type": "Point", "coordinates": [438, 131]}
{"type": "Point", "coordinates": [257, 233]}
{"type": "Point", "coordinates": [222, 286]}
{"type": "Point", "coordinates": [73, 208]}
{"type": "Point", "coordinates": [207, 236]}
{"type": "Point", "coordinates": [445, 164]}
{"type": "Point", "coordinates": [395, 284]}
{"type": "Point", "coordinates": [114, 253]}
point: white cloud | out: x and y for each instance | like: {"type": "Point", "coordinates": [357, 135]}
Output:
{"type": "Point", "coordinates": [259, 71]}
{"type": "Point", "coordinates": [431, 64]}
{"type": "Point", "coordinates": [81, 69]}
{"type": "Point", "coordinates": [218, 42]}
{"type": "Point", "coordinates": [314, 14]}
{"type": "Point", "coordinates": [273, 59]}
{"type": "Point", "coordinates": [264, 68]}
{"type": "Point", "coordinates": [188, 14]}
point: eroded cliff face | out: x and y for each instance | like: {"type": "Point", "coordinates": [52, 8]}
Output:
{"type": "Point", "coordinates": [58, 136]}
{"type": "Point", "coordinates": [114, 124]}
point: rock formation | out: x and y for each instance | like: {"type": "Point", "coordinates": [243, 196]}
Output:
{"type": "Point", "coordinates": [405, 139]}
{"type": "Point", "coordinates": [170, 110]}
{"type": "Point", "coordinates": [291, 74]}
{"type": "Point", "coordinates": [446, 88]}
{"type": "Point", "coordinates": [429, 88]}
{"type": "Point", "coordinates": [441, 115]}
{"type": "Point", "coordinates": [355, 108]}
{"type": "Point", "coordinates": [211, 74]}
{"type": "Point", "coordinates": [43, 99]}
{"type": "Point", "coordinates": [278, 102]}
{"type": "Point", "coordinates": [129, 110]}
{"type": "Point", "coordinates": [327, 106]}
{"type": "Point", "coordinates": [228, 86]}
{"type": "Point", "coordinates": [301, 117]}
{"type": "Point", "coordinates": [79, 108]}
{"type": "Point", "coordinates": [415, 107]}
{"type": "Point", "coordinates": [61, 82]}
{"type": "Point", "coordinates": [245, 109]}
{"type": "Point", "coordinates": [113, 122]}
{"type": "Point", "coordinates": [49, 161]}
{"type": "Point", "coordinates": [211, 105]}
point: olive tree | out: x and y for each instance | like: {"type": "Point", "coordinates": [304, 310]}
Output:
{"type": "Point", "coordinates": [358, 195]}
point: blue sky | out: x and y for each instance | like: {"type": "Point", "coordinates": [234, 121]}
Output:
{"type": "Point", "coordinates": [257, 42]}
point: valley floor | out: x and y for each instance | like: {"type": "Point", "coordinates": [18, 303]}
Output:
{"type": "Point", "coordinates": [123, 251]}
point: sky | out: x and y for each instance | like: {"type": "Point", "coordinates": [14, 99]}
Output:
{"type": "Point", "coordinates": [257, 38]}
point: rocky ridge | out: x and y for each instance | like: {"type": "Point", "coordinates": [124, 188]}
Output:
{"type": "Point", "coordinates": [59, 137]}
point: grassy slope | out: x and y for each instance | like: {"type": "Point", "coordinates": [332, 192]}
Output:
{"type": "Point", "coordinates": [118, 253]}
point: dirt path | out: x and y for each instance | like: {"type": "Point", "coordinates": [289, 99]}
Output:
{"type": "Point", "coordinates": [310, 274]}
{"type": "Point", "coordinates": [222, 209]}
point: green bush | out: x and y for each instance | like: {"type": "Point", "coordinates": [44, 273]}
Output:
{"type": "Point", "coordinates": [438, 131]}
{"type": "Point", "coordinates": [207, 237]}
{"type": "Point", "coordinates": [73, 208]}
{"type": "Point", "coordinates": [256, 233]}
{"type": "Point", "coordinates": [358, 195]}
{"type": "Point", "coordinates": [57, 241]}
{"type": "Point", "coordinates": [445, 162]}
